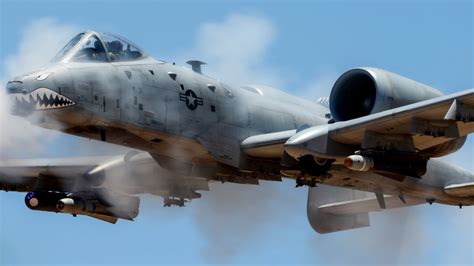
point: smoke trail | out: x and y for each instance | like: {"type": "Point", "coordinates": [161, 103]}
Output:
{"type": "Point", "coordinates": [234, 218]}
{"type": "Point", "coordinates": [39, 42]}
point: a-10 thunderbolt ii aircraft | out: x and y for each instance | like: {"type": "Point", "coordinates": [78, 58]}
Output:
{"type": "Point", "coordinates": [373, 147]}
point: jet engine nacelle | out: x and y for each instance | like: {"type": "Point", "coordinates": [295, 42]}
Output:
{"type": "Point", "coordinates": [364, 91]}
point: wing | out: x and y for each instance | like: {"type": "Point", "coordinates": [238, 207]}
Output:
{"type": "Point", "coordinates": [415, 127]}
{"type": "Point", "coordinates": [267, 145]}
{"type": "Point", "coordinates": [99, 187]}
{"type": "Point", "coordinates": [39, 174]}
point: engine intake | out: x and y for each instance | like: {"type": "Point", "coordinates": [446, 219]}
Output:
{"type": "Point", "coordinates": [364, 91]}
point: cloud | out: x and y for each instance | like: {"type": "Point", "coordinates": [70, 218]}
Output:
{"type": "Point", "coordinates": [40, 41]}
{"type": "Point", "coordinates": [235, 49]}
{"type": "Point", "coordinates": [319, 87]}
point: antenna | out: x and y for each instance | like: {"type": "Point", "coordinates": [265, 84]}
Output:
{"type": "Point", "coordinates": [196, 65]}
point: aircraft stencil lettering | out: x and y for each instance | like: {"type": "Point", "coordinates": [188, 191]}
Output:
{"type": "Point", "coordinates": [371, 146]}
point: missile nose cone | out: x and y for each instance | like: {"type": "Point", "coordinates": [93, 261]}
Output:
{"type": "Point", "coordinates": [359, 163]}
{"type": "Point", "coordinates": [64, 204]}
{"type": "Point", "coordinates": [348, 162]}
{"type": "Point", "coordinates": [60, 206]}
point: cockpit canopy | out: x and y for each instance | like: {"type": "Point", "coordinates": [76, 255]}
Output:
{"type": "Point", "coordinates": [94, 47]}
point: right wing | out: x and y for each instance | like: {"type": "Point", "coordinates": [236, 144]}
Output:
{"type": "Point", "coordinates": [100, 187]}
{"type": "Point", "coordinates": [269, 145]}
{"type": "Point", "coordinates": [24, 175]}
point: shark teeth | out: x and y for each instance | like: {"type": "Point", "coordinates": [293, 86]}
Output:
{"type": "Point", "coordinates": [41, 99]}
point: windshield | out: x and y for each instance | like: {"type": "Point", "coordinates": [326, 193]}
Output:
{"type": "Point", "coordinates": [92, 47]}
{"type": "Point", "coordinates": [91, 50]}
{"type": "Point", "coordinates": [119, 49]}
{"type": "Point", "coordinates": [68, 47]}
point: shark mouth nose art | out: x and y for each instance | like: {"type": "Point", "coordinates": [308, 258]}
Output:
{"type": "Point", "coordinates": [41, 99]}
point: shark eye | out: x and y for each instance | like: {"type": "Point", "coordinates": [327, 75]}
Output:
{"type": "Point", "coordinates": [42, 76]}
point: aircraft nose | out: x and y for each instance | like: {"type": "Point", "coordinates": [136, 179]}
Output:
{"type": "Point", "coordinates": [35, 92]}
{"type": "Point", "coordinates": [18, 91]}
{"type": "Point", "coordinates": [14, 86]}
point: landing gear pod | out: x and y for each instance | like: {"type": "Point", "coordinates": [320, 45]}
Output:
{"type": "Point", "coordinates": [314, 166]}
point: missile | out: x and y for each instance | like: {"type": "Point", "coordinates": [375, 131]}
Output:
{"type": "Point", "coordinates": [359, 163]}
{"type": "Point", "coordinates": [69, 205]}
{"type": "Point", "coordinates": [399, 165]}
{"type": "Point", "coordinates": [126, 207]}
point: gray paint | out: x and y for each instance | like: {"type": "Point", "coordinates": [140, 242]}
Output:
{"type": "Point", "coordinates": [195, 126]}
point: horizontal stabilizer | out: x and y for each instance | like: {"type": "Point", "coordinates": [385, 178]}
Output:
{"type": "Point", "coordinates": [370, 204]}
{"type": "Point", "coordinates": [323, 221]}
{"type": "Point", "coordinates": [332, 209]}
{"type": "Point", "coordinates": [104, 218]}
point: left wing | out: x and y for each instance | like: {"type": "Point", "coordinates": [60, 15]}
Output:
{"type": "Point", "coordinates": [414, 127]}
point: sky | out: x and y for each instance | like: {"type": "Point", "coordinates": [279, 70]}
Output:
{"type": "Point", "coordinates": [297, 46]}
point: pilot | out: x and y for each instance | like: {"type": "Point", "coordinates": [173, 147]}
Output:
{"type": "Point", "coordinates": [115, 50]}
{"type": "Point", "coordinates": [99, 51]}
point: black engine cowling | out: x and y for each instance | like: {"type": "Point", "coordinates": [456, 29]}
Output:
{"type": "Point", "coordinates": [364, 91]}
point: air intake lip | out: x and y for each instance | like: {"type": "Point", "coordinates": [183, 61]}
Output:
{"type": "Point", "coordinates": [353, 95]}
